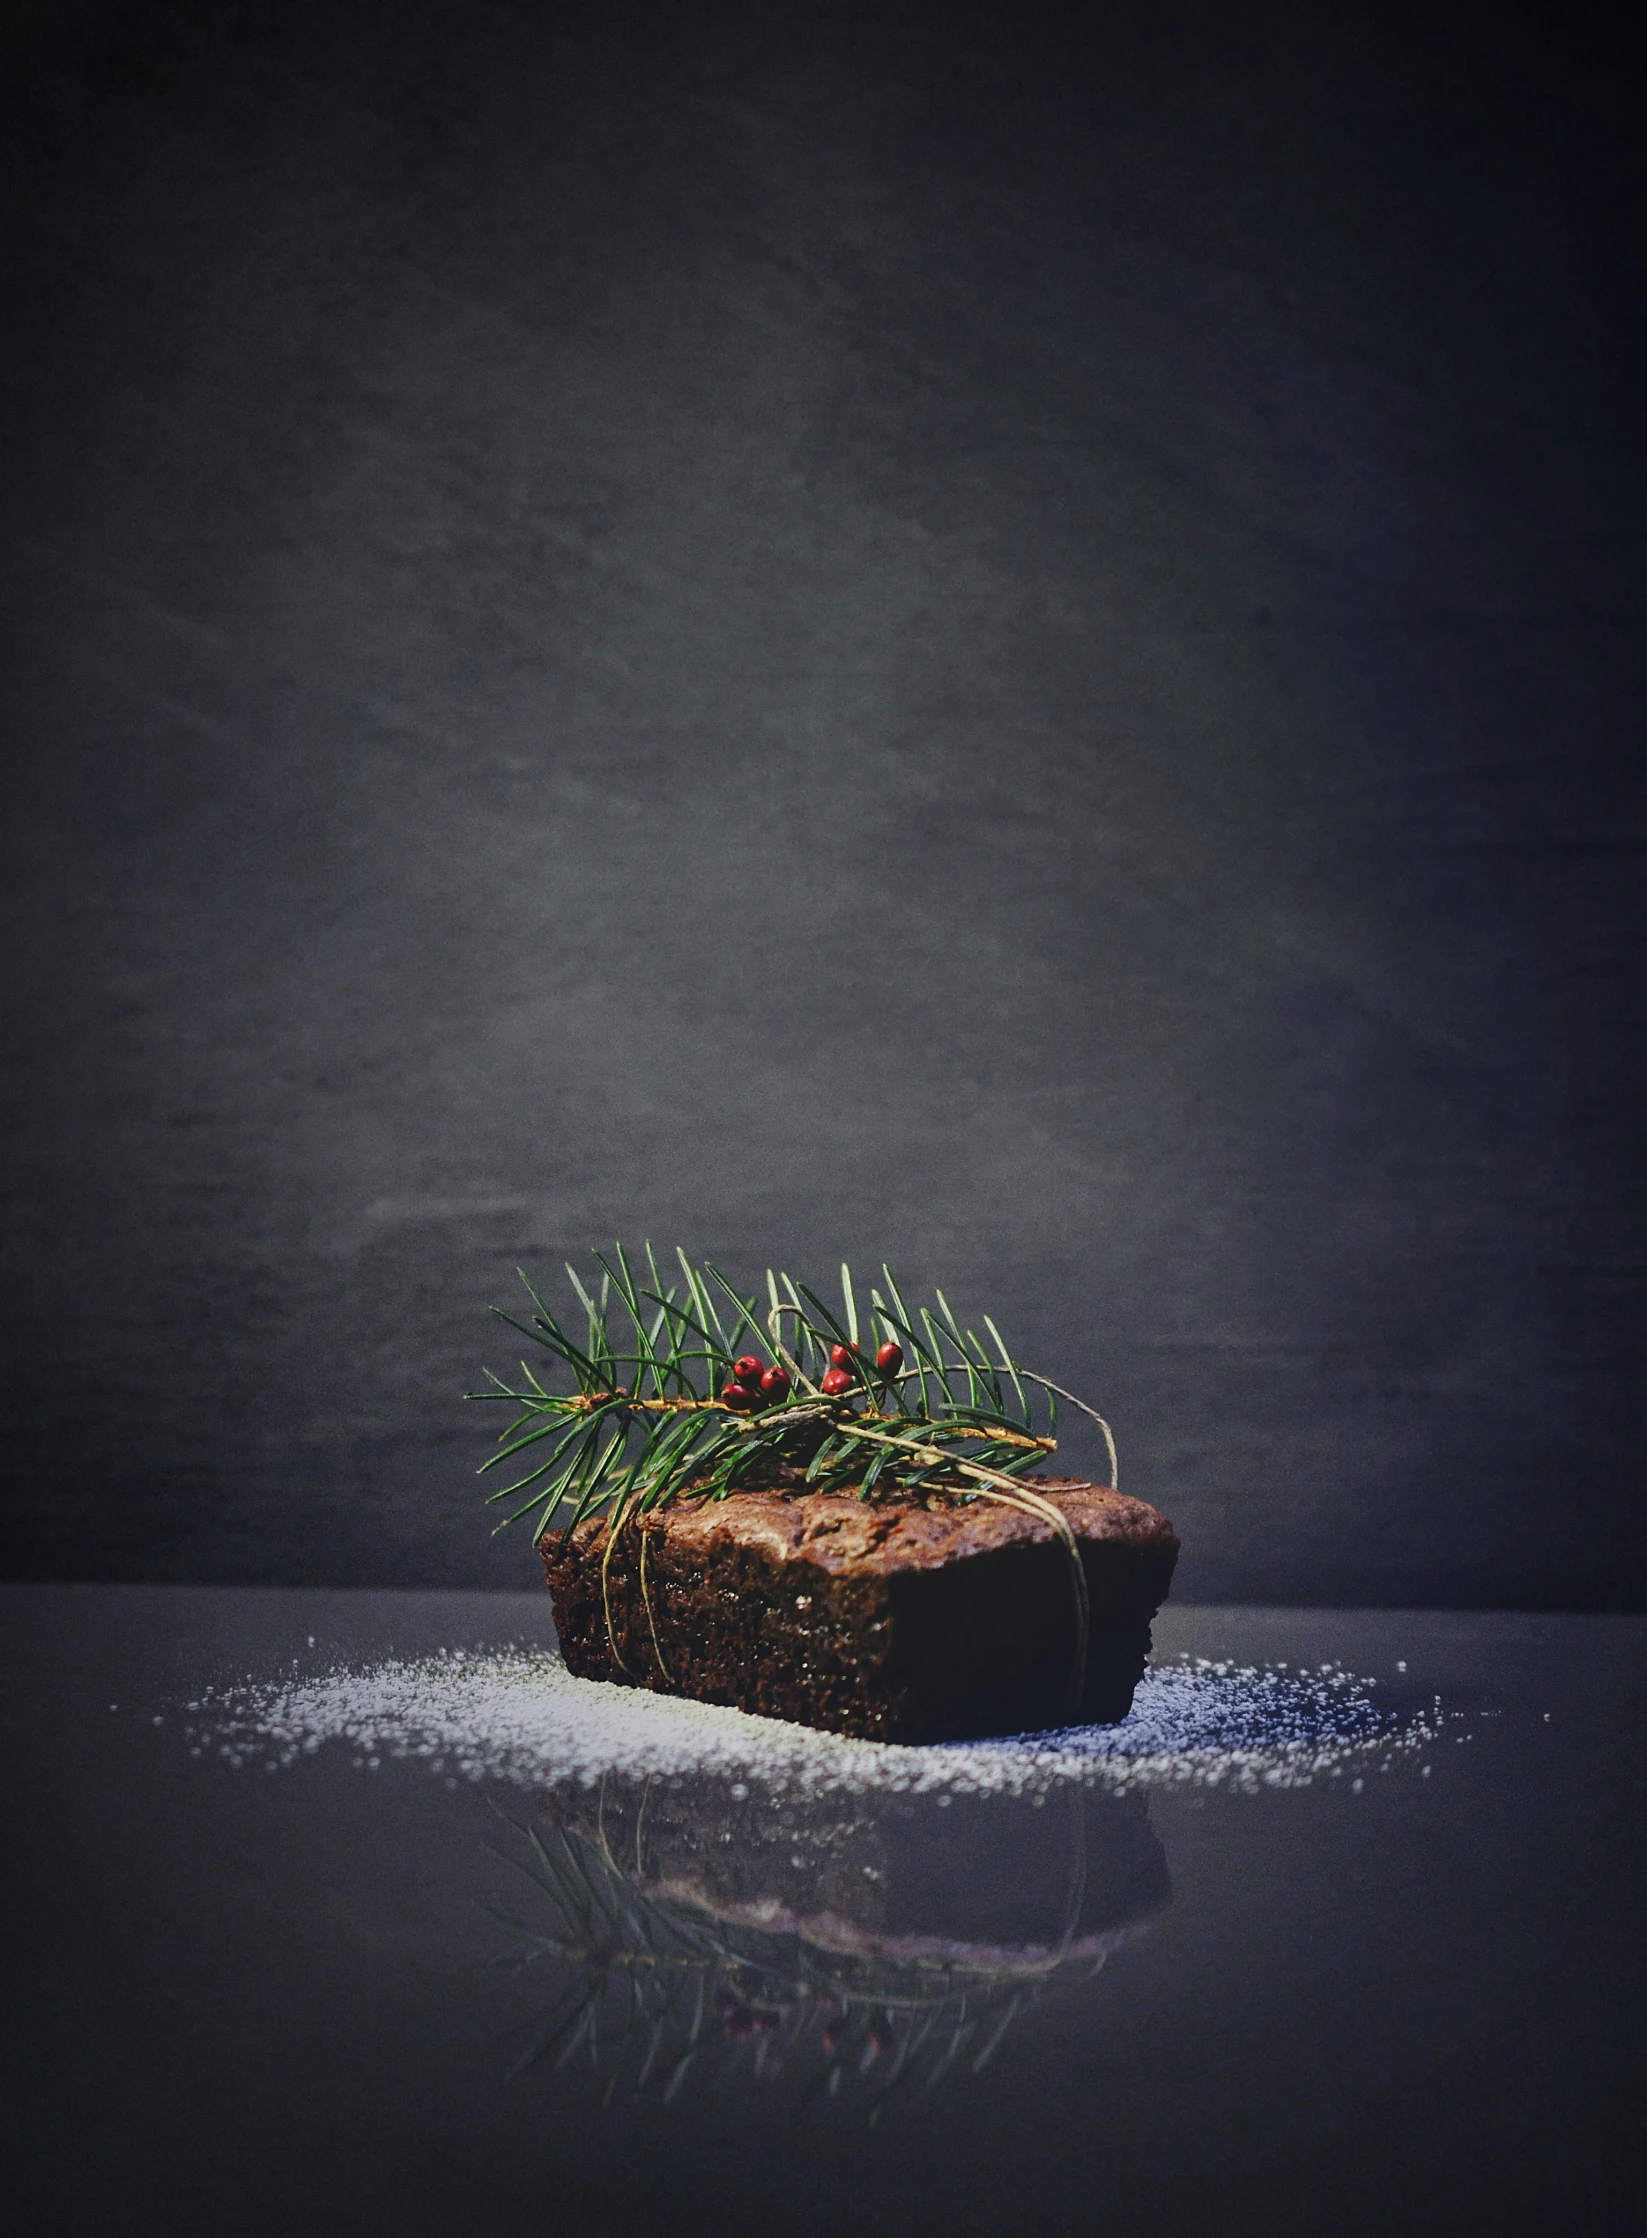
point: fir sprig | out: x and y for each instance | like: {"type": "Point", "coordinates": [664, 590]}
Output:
{"type": "Point", "coordinates": [665, 1402]}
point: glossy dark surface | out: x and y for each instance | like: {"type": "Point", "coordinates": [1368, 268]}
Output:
{"type": "Point", "coordinates": [253, 2000]}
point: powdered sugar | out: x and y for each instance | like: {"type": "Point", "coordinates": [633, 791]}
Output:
{"type": "Point", "coordinates": [516, 1715]}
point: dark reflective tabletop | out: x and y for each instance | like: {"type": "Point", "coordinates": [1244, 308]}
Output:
{"type": "Point", "coordinates": [449, 1944]}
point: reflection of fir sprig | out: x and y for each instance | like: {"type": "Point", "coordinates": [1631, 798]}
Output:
{"type": "Point", "coordinates": [651, 1989]}
{"type": "Point", "coordinates": [665, 1403]}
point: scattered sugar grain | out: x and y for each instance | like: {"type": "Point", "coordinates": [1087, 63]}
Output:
{"type": "Point", "coordinates": [516, 1714]}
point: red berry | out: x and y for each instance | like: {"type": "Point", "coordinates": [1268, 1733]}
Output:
{"type": "Point", "coordinates": [749, 1371]}
{"type": "Point", "coordinates": [737, 1398]}
{"type": "Point", "coordinates": [880, 2039]}
{"type": "Point", "coordinates": [835, 1382]}
{"type": "Point", "coordinates": [775, 1385]}
{"type": "Point", "coordinates": [831, 2036]}
{"type": "Point", "coordinates": [890, 1358]}
{"type": "Point", "coordinates": [841, 1355]}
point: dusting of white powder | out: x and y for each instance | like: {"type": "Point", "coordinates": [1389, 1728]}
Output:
{"type": "Point", "coordinates": [516, 1714]}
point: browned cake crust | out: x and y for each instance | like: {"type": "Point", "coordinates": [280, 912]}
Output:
{"type": "Point", "coordinates": [895, 1620]}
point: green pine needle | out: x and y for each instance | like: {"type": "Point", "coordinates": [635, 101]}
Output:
{"type": "Point", "coordinates": [646, 1419]}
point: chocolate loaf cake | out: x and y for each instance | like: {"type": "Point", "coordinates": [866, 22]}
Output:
{"type": "Point", "coordinates": [898, 1619]}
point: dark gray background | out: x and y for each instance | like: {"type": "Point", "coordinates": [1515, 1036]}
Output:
{"type": "Point", "coordinates": [816, 631]}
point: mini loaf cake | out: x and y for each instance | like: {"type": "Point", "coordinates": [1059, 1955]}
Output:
{"type": "Point", "coordinates": [840, 1517]}
{"type": "Point", "coordinates": [898, 1620]}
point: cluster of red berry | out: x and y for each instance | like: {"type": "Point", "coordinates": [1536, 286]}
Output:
{"type": "Point", "coordinates": [843, 1360]}
{"type": "Point", "coordinates": [753, 1385]}
{"type": "Point", "coordinates": [740, 2021]}
{"type": "Point", "coordinates": [832, 2035]}
{"type": "Point", "coordinates": [833, 2032]}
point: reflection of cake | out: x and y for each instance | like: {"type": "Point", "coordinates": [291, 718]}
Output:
{"type": "Point", "coordinates": [901, 1620]}
{"type": "Point", "coordinates": [853, 1943]}
{"type": "Point", "coordinates": [997, 1884]}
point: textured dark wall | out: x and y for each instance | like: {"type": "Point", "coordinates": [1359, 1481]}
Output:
{"type": "Point", "coordinates": [818, 631]}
